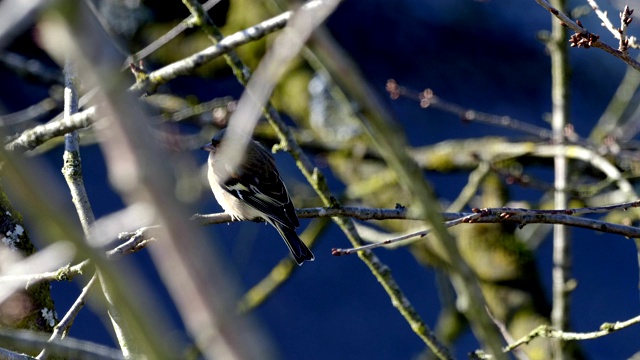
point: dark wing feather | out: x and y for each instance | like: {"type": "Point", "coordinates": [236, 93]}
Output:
{"type": "Point", "coordinates": [299, 250]}
{"type": "Point", "coordinates": [258, 184]}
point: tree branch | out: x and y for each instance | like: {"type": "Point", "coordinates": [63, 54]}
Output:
{"type": "Point", "coordinates": [479, 216]}
{"type": "Point", "coordinates": [61, 330]}
{"type": "Point", "coordinates": [547, 331]}
{"type": "Point", "coordinates": [149, 82]}
{"type": "Point", "coordinates": [561, 272]}
{"type": "Point", "coordinates": [583, 38]}
{"type": "Point", "coordinates": [27, 341]}
{"type": "Point", "coordinates": [33, 137]}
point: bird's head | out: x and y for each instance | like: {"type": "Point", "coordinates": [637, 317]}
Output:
{"type": "Point", "coordinates": [215, 142]}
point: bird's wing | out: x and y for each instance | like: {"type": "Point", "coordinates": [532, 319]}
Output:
{"type": "Point", "coordinates": [263, 190]}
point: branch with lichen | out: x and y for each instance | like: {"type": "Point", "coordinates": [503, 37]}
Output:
{"type": "Point", "coordinates": [148, 82]}
{"type": "Point", "coordinates": [131, 242]}
{"type": "Point", "coordinates": [72, 171]}
{"type": "Point", "coordinates": [546, 331]}
{"type": "Point", "coordinates": [16, 238]}
{"type": "Point", "coordinates": [65, 273]}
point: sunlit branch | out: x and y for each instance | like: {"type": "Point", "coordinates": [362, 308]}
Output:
{"type": "Point", "coordinates": [33, 137]}
{"type": "Point", "coordinates": [583, 38]}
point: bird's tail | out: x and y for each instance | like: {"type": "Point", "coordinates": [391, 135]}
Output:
{"type": "Point", "coordinates": [299, 250]}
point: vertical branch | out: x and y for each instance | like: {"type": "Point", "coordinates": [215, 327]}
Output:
{"type": "Point", "coordinates": [73, 175]}
{"type": "Point", "coordinates": [561, 273]}
{"type": "Point", "coordinates": [72, 169]}
{"type": "Point", "coordinates": [61, 330]}
{"type": "Point", "coordinates": [72, 172]}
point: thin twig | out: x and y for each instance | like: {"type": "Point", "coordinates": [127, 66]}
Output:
{"type": "Point", "coordinates": [547, 331]}
{"type": "Point", "coordinates": [61, 330]}
{"type": "Point", "coordinates": [583, 38]}
{"type": "Point", "coordinates": [620, 35]}
{"type": "Point", "coordinates": [518, 353]}
{"type": "Point", "coordinates": [168, 36]}
{"type": "Point", "coordinates": [605, 19]}
{"type": "Point", "coordinates": [65, 273]}
{"type": "Point", "coordinates": [70, 348]}
{"type": "Point", "coordinates": [137, 240]}
{"type": "Point", "coordinates": [31, 67]}
{"type": "Point", "coordinates": [427, 98]}
{"type": "Point", "coordinates": [30, 114]}
{"type": "Point", "coordinates": [412, 236]}
{"type": "Point", "coordinates": [521, 217]}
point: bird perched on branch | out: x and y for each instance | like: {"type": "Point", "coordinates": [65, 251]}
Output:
{"type": "Point", "coordinates": [254, 190]}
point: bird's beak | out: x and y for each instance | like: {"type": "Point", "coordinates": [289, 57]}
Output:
{"type": "Point", "coordinates": [208, 147]}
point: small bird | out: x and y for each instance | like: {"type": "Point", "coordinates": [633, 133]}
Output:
{"type": "Point", "coordinates": [255, 191]}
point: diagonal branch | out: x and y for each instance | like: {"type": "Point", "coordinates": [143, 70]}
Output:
{"type": "Point", "coordinates": [547, 331]}
{"type": "Point", "coordinates": [31, 138]}
{"type": "Point", "coordinates": [583, 38]}
{"type": "Point", "coordinates": [149, 82]}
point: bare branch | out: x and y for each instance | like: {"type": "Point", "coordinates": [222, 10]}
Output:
{"type": "Point", "coordinates": [480, 216]}
{"type": "Point", "coordinates": [61, 330]}
{"type": "Point", "coordinates": [168, 36]}
{"type": "Point", "coordinates": [620, 35]}
{"type": "Point", "coordinates": [65, 273]}
{"type": "Point", "coordinates": [27, 341]}
{"type": "Point", "coordinates": [31, 138]}
{"type": "Point", "coordinates": [562, 255]}
{"type": "Point", "coordinates": [427, 99]}
{"type": "Point", "coordinates": [583, 38]}
{"type": "Point", "coordinates": [137, 240]}
{"type": "Point", "coordinates": [549, 332]}
{"type": "Point", "coordinates": [72, 171]}
{"type": "Point", "coordinates": [151, 81]}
